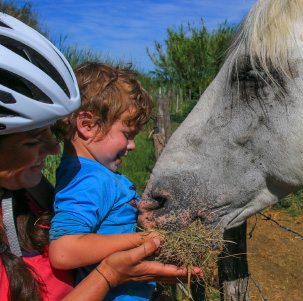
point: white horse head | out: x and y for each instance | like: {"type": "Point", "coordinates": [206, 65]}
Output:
{"type": "Point", "coordinates": [241, 148]}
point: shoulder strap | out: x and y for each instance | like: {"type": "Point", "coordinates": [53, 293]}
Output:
{"type": "Point", "coordinates": [42, 194]}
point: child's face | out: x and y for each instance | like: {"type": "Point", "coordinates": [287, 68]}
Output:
{"type": "Point", "coordinates": [116, 144]}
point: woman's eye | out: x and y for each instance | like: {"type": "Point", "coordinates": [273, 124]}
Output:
{"type": "Point", "coordinates": [32, 143]}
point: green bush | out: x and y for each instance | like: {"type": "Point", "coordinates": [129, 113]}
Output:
{"type": "Point", "coordinates": [191, 55]}
{"type": "Point", "coordinates": [293, 203]}
{"type": "Point", "coordinates": [50, 165]}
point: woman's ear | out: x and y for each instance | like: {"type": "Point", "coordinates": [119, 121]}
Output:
{"type": "Point", "coordinates": [84, 126]}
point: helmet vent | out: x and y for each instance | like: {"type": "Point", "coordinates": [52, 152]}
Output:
{"type": "Point", "coordinates": [22, 86]}
{"type": "Point", "coordinates": [35, 58]}
{"type": "Point", "coordinates": [4, 112]}
{"type": "Point", "coordinates": [7, 97]}
{"type": "Point", "coordinates": [4, 25]}
{"type": "Point", "coordinates": [64, 63]}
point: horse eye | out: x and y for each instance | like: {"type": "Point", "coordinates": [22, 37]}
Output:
{"type": "Point", "coordinates": [253, 74]}
{"type": "Point", "coordinates": [249, 76]}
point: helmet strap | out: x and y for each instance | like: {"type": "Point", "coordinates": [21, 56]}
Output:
{"type": "Point", "coordinates": [9, 222]}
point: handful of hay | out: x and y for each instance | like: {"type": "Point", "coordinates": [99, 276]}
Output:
{"type": "Point", "coordinates": [192, 246]}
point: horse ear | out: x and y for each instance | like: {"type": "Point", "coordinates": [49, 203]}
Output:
{"type": "Point", "coordinates": [85, 126]}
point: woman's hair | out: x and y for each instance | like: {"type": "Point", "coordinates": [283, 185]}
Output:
{"type": "Point", "coordinates": [107, 93]}
{"type": "Point", "coordinates": [24, 282]}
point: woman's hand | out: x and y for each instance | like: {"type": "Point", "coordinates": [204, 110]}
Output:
{"type": "Point", "coordinates": [128, 266]}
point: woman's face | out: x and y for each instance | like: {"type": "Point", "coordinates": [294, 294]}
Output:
{"type": "Point", "coordinates": [22, 157]}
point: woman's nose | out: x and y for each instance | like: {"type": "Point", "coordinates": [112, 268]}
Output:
{"type": "Point", "coordinates": [51, 147]}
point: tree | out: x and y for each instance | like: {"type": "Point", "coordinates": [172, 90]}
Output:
{"type": "Point", "coordinates": [192, 56]}
{"type": "Point", "coordinates": [25, 13]}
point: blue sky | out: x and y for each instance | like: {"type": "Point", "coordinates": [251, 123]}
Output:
{"type": "Point", "coordinates": [123, 28]}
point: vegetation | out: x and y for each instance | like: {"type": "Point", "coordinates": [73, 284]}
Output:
{"type": "Point", "coordinates": [24, 13]}
{"type": "Point", "coordinates": [192, 56]}
{"type": "Point", "coordinates": [292, 204]}
{"type": "Point", "coordinates": [77, 55]}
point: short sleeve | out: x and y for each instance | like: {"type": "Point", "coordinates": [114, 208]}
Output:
{"type": "Point", "coordinates": [81, 205]}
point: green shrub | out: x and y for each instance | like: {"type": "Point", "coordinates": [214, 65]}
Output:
{"type": "Point", "coordinates": [50, 165]}
{"type": "Point", "coordinates": [293, 203]}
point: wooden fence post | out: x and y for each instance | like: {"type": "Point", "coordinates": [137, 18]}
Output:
{"type": "Point", "coordinates": [159, 143]}
{"type": "Point", "coordinates": [162, 127]}
{"type": "Point", "coordinates": [166, 117]}
{"type": "Point", "coordinates": [172, 97]}
{"type": "Point", "coordinates": [160, 120]}
{"type": "Point", "coordinates": [233, 266]}
{"type": "Point", "coordinates": [181, 102]}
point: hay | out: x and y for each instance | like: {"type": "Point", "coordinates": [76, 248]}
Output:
{"type": "Point", "coordinates": [193, 246]}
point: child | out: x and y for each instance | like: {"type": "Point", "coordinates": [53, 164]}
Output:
{"type": "Point", "coordinates": [92, 198]}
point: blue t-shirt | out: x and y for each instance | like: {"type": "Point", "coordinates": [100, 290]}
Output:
{"type": "Point", "coordinates": [92, 199]}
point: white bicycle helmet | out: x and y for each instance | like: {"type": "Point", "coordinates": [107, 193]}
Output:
{"type": "Point", "coordinates": [37, 84]}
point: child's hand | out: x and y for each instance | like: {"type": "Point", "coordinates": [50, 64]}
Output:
{"type": "Point", "coordinates": [154, 235]}
{"type": "Point", "coordinates": [146, 236]}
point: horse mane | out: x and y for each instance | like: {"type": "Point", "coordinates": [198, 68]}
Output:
{"type": "Point", "coordinates": [267, 34]}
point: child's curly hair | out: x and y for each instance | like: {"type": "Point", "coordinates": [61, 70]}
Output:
{"type": "Point", "coordinates": [107, 93]}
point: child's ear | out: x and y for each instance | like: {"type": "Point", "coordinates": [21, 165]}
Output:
{"type": "Point", "coordinates": [84, 125]}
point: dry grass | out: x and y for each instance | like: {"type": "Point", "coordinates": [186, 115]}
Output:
{"type": "Point", "coordinates": [193, 246]}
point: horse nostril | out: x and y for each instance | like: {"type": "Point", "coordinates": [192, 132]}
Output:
{"type": "Point", "coordinates": [161, 201]}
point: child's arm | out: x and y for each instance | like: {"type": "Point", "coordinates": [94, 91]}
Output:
{"type": "Point", "coordinates": [73, 251]}
{"type": "Point", "coordinates": [128, 266]}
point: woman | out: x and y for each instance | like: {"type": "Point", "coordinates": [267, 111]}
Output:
{"type": "Point", "coordinates": [37, 87]}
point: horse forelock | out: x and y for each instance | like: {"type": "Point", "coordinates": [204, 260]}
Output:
{"type": "Point", "coordinates": [265, 38]}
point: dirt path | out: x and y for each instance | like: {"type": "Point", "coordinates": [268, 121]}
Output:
{"type": "Point", "coordinates": [275, 258]}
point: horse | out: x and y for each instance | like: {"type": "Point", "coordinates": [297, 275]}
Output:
{"type": "Point", "coordinates": [240, 150]}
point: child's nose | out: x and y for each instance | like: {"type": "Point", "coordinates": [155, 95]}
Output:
{"type": "Point", "coordinates": [131, 145]}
